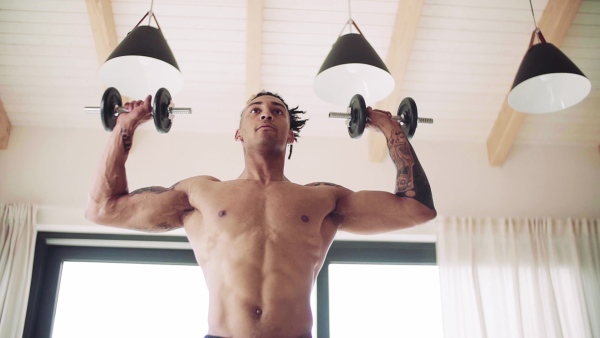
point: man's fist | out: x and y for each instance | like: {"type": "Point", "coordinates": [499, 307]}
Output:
{"type": "Point", "coordinates": [138, 112]}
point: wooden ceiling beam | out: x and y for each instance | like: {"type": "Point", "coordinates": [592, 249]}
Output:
{"type": "Point", "coordinates": [103, 27]}
{"type": "Point", "coordinates": [554, 24]}
{"type": "Point", "coordinates": [254, 28]}
{"type": "Point", "coordinates": [401, 44]}
{"type": "Point", "coordinates": [4, 127]}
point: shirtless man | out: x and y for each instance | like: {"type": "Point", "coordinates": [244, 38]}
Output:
{"type": "Point", "coordinates": [260, 239]}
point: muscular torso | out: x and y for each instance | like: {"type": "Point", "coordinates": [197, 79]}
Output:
{"type": "Point", "coordinates": [261, 247]}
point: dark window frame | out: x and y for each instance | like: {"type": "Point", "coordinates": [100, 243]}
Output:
{"type": "Point", "coordinates": [48, 262]}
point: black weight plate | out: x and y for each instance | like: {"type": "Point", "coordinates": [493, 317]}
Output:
{"type": "Point", "coordinates": [409, 116]}
{"type": "Point", "coordinates": [160, 110]}
{"type": "Point", "coordinates": [111, 99]}
{"type": "Point", "coordinates": [358, 116]}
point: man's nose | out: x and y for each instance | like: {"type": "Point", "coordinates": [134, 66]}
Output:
{"type": "Point", "coordinates": [266, 115]}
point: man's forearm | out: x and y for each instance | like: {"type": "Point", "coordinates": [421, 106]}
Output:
{"type": "Point", "coordinates": [411, 180]}
{"type": "Point", "coordinates": [111, 180]}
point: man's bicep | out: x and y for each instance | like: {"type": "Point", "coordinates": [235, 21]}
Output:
{"type": "Point", "coordinates": [151, 209]}
{"type": "Point", "coordinates": [370, 212]}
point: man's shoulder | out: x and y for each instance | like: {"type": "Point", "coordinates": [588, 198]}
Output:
{"type": "Point", "coordinates": [194, 180]}
{"type": "Point", "coordinates": [205, 178]}
{"type": "Point", "coordinates": [337, 189]}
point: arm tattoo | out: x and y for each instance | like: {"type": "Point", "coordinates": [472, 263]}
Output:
{"type": "Point", "coordinates": [411, 180]}
{"type": "Point", "coordinates": [162, 227]}
{"type": "Point", "coordinates": [154, 190]}
{"type": "Point", "coordinates": [400, 152]}
{"type": "Point", "coordinates": [318, 184]}
{"type": "Point", "coordinates": [127, 138]}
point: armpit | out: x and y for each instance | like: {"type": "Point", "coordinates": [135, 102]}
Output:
{"type": "Point", "coordinates": [336, 218]}
{"type": "Point", "coordinates": [336, 195]}
{"type": "Point", "coordinates": [187, 212]}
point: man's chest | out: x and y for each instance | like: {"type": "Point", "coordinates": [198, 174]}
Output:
{"type": "Point", "coordinates": [256, 203]}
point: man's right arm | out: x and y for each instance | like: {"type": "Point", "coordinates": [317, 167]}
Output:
{"type": "Point", "coordinates": [153, 209]}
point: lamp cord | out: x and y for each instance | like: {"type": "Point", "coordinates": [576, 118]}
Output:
{"type": "Point", "coordinates": [350, 14]}
{"type": "Point", "coordinates": [532, 13]}
{"type": "Point", "coordinates": [536, 31]}
{"type": "Point", "coordinates": [151, 13]}
{"type": "Point", "coordinates": [142, 19]}
{"type": "Point", "coordinates": [350, 22]}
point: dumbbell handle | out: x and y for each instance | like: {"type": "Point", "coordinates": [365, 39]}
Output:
{"type": "Point", "coordinates": [395, 117]}
{"type": "Point", "coordinates": [119, 110]}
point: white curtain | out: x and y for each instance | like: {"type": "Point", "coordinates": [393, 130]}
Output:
{"type": "Point", "coordinates": [519, 278]}
{"type": "Point", "coordinates": [17, 244]}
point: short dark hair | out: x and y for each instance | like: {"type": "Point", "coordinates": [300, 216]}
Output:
{"type": "Point", "coordinates": [295, 122]}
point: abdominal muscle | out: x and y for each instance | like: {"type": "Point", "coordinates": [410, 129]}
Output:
{"type": "Point", "coordinates": [260, 279]}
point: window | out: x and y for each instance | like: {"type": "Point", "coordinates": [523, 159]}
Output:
{"type": "Point", "coordinates": [362, 291]}
{"type": "Point", "coordinates": [104, 279]}
{"type": "Point", "coordinates": [138, 300]}
{"type": "Point", "coordinates": [374, 300]}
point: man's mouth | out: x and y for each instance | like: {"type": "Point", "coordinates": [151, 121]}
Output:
{"type": "Point", "coordinates": [265, 126]}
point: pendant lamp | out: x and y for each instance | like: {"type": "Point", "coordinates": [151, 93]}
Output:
{"type": "Point", "coordinates": [547, 80]}
{"type": "Point", "coordinates": [142, 63]}
{"type": "Point", "coordinates": [353, 67]}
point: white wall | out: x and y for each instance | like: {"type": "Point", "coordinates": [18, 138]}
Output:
{"type": "Point", "coordinates": [53, 168]}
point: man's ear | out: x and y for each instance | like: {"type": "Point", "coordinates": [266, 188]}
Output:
{"type": "Point", "coordinates": [238, 136]}
{"type": "Point", "coordinates": [291, 138]}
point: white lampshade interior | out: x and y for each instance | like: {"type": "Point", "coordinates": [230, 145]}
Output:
{"type": "Point", "coordinates": [139, 76]}
{"type": "Point", "coordinates": [549, 93]}
{"type": "Point", "coordinates": [338, 84]}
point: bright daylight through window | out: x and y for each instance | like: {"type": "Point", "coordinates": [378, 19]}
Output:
{"type": "Point", "coordinates": [368, 300]}
{"type": "Point", "coordinates": [99, 300]}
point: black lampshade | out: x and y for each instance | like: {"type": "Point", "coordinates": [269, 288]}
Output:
{"type": "Point", "coordinates": [547, 81]}
{"type": "Point", "coordinates": [141, 64]}
{"type": "Point", "coordinates": [353, 67]}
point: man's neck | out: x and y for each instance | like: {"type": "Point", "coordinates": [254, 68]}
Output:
{"type": "Point", "coordinates": [263, 168]}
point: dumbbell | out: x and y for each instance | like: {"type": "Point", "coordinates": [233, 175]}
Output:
{"type": "Point", "coordinates": [356, 114]}
{"type": "Point", "coordinates": [112, 105]}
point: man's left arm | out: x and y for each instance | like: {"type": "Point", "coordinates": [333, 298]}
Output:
{"type": "Point", "coordinates": [412, 201]}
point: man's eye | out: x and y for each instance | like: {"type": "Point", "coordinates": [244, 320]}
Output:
{"type": "Point", "coordinates": [278, 112]}
{"type": "Point", "coordinates": [255, 110]}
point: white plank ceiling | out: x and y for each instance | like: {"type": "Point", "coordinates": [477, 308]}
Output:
{"type": "Point", "coordinates": [464, 58]}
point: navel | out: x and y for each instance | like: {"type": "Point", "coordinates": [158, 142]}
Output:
{"type": "Point", "coordinates": [304, 218]}
{"type": "Point", "coordinates": [222, 213]}
{"type": "Point", "coordinates": [258, 312]}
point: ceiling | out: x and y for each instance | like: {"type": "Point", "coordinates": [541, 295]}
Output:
{"type": "Point", "coordinates": [456, 58]}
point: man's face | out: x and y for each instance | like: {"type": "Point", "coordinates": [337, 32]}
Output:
{"type": "Point", "coordinates": [265, 119]}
